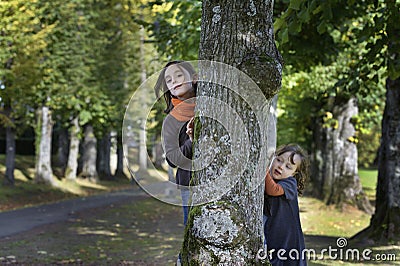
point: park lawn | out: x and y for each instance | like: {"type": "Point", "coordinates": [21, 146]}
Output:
{"type": "Point", "coordinates": [319, 219]}
{"type": "Point", "coordinates": [324, 225]}
{"type": "Point", "coordinates": [369, 179]}
{"type": "Point", "coordinates": [26, 192]}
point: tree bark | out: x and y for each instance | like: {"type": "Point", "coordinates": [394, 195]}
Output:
{"type": "Point", "coordinates": [119, 172]}
{"type": "Point", "coordinates": [89, 155]}
{"type": "Point", "coordinates": [142, 133]}
{"type": "Point", "coordinates": [347, 187]}
{"type": "Point", "coordinates": [158, 152]}
{"type": "Point", "coordinates": [103, 157]}
{"type": "Point", "coordinates": [385, 223]}
{"type": "Point", "coordinates": [272, 123]}
{"type": "Point", "coordinates": [44, 171]}
{"type": "Point", "coordinates": [10, 146]}
{"type": "Point", "coordinates": [142, 147]}
{"type": "Point", "coordinates": [228, 230]}
{"type": "Point", "coordinates": [334, 175]}
{"type": "Point", "coordinates": [72, 164]}
{"type": "Point", "coordinates": [10, 155]}
{"type": "Point", "coordinates": [62, 150]}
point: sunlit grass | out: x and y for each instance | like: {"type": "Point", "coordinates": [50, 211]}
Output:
{"type": "Point", "coordinates": [26, 192]}
{"type": "Point", "coordinates": [369, 179]}
{"type": "Point", "coordinates": [319, 219]}
{"type": "Point", "coordinates": [24, 167]}
{"type": "Point", "coordinates": [79, 187]}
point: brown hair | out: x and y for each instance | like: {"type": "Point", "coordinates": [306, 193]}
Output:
{"type": "Point", "coordinates": [161, 85]}
{"type": "Point", "coordinates": [302, 171]}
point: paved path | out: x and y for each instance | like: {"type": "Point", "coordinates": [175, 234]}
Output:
{"type": "Point", "coordinates": [17, 221]}
{"type": "Point", "coordinates": [12, 222]}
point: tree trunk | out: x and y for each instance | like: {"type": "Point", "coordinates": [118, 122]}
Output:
{"type": "Point", "coordinates": [44, 171]}
{"type": "Point", "coordinates": [62, 150]}
{"type": "Point", "coordinates": [385, 223]}
{"type": "Point", "coordinates": [230, 135]}
{"type": "Point", "coordinates": [158, 153]}
{"type": "Point", "coordinates": [89, 155]}
{"type": "Point", "coordinates": [334, 175]}
{"type": "Point", "coordinates": [346, 188]}
{"type": "Point", "coordinates": [103, 157]}
{"type": "Point", "coordinates": [272, 123]}
{"type": "Point", "coordinates": [142, 146]}
{"type": "Point", "coordinates": [142, 133]}
{"type": "Point", "coordinates": [72, 164]}
{"type": "Point", "coordinates": [10, 155]}
{"type": "Point", "coordinates": [119, 172]}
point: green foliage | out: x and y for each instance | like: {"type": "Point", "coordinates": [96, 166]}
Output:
{"type": "Point", "coordinates": [304, 26]}
{"type": "Point", "coordinates": [176, 28]}
{"type": "Point", "coordinates": [81, 58]}
{"type": "Point", "coordinates": [77, 57]}
{"type": "Point", "coordinates": [352, 62]}
{"type": "Point", "coordinates": [21, 43]}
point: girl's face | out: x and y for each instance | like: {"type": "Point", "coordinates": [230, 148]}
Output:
{"type": "Point", "coordinates": [179, 82]}
{"type": "Point", "coordinates": [282, 167]}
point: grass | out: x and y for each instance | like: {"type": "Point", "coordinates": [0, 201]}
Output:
{"type": "Point", "coordinates": [369, 179]}
{"type": "Point", "coordinates": [323, 225]}
{"type": "Point", "coordinates": [26, 192]}
{"type": "Point", "coordinates": [319, 219]}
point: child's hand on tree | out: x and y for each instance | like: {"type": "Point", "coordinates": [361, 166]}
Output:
{"type": "Point", "coordinates": [189, 128]}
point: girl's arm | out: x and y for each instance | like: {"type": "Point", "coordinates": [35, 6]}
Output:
{"type": "Point", "coordinates": [186, 148]}
{"type": "Point", "coordinates": [176, 154]}
{"type": "Point", "coordinates": [271, 187]}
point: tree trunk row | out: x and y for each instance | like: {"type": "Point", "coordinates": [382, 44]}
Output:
{"type": "Point", "coordinates": [91, 160]}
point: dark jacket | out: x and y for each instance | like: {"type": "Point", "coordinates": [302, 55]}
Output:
{"type": "Point", "coordinates": [283, 227]}
{"type": "Point", "coordinates": [178, 148]}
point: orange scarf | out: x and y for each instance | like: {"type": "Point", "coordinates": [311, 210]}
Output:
{"type": "Point", "coordinates": [183, 110]}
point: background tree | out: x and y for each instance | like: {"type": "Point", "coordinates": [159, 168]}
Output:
{"type": "Point", "coordinates": [22, 39]}
{"type": "Point", "coordinates": [240, 34]}
{"type": "Point", "coordinates": [373, 26]}
{"type": "Point", "coordinates": [73, 58]}
{"type": "Point", "coordinates": [383, 30]}
{"type": "Point", "coordinates": [328, 24]}
{"type": "Point", "coordinates": [116, 56]}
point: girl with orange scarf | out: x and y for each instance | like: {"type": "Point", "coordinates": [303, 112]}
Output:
{"type": "Point", "coordinates": [178, 81]}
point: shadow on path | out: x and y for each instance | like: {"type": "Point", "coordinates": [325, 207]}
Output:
{"type": "Point", "coordinates": [17, 221]}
